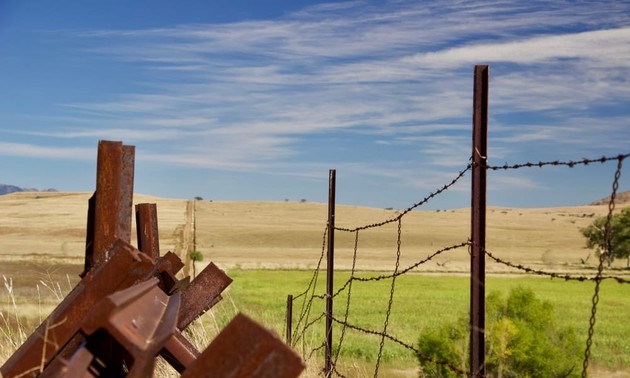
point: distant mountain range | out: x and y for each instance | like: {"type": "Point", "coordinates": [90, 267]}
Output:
{"type": "Point", "coordinates": [6, 189]}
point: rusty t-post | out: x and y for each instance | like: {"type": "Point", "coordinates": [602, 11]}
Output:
{"type": "Point", "coordinates": [478, 223]}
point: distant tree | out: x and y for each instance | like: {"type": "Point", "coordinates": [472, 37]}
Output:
{"type": "Point", "coordinates": [198, 198]}
{"type": "Point", "coordinates": [303, 200]}
{"type": "Point", "coordinates": [619, 236]}
{"type": "Point", "coordinates": [195, 256]}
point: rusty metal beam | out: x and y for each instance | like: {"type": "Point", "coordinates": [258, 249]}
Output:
{"type": "Point", "coordinates": [245, 349]}
{"type": "Point", "coordinates": [147, 229]}
{"type": "Point", "coordinates": [200, 295]}
{"type": "Point", "coordinates": [140, 318]}
{"type": "Point", "coordinates": [113, 197]}
{"type": "Point", "coordinates": [127, 266]}
{"type": "Point", "coordinates": [77, 366]}
{"type": "Point", "coordinates": [179, 352]}
{"type": "Point", "coordinates": [478, 223]}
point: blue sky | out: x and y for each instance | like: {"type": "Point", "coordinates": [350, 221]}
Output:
{"type": "Point", "coordinates": [256, 100]}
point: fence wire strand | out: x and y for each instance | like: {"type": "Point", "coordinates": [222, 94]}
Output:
{"type": "Point", "coordinates": [391, 299]}
{"type": "Point", "coordinates": [600, 267]}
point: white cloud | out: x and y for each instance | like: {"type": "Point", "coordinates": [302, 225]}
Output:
{"type": "Point", "coordinates": [46, 152]}
{"type": "Point", "coordinates": [606, 48]}
{"type": "Point", "coordinates": [250, 95]}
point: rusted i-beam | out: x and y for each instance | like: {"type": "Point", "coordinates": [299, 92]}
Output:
{"type": "Point", "coordinates": [109, 216]}
{"type": "Point", "coordinates": [147, 229]}
{"type": "Point", "coordinates": [478, 223]}
{"type": "Point", "coordinates": [200, 295]}
{"type": "Point", "coordinates": [138, 320]}
{"type": "Point", "coordinates": [126, 267]}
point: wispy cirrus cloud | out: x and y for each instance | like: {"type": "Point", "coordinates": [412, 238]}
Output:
{"type": "Point", "coordinates": [296, 91]}
{"type": "Point", "coordinates": [37, 151]}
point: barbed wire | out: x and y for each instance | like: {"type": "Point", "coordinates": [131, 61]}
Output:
{"type": "Point", "coordinates": [569, 163]}
{"type": "Point", "coordinates": [448, 364]}
{"type": "Point", "coordinates": [347, 310]}
{"type": "Point", "coordinates": [412, 207]}
{"type": "Point", "coordinates": [396, 274]}
{"type": "Point", "coordinates": [307, 304]}
{"type": "Point", "coordinates": [384, 335]}
{"type": "Point", "coordinates": [563, 276]}
{"type": "Point", "coordinates": [391, 299]}
{"type": "Point", "coordinates": [600, 267]}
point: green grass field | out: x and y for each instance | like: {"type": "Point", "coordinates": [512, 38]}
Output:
{"type": "Point", "coordinates": [422, 301]}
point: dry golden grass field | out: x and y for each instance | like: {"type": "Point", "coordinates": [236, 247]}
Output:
{"type": "Point", "coordinates": [49, 228]}
{"type": "Point", "coordinates": [42, 240]}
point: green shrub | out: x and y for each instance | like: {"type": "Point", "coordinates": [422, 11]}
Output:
{"type": "Point", "coordinates": [523, 339]}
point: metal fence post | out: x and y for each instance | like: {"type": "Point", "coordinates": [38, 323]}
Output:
{"type": "Point", "coordinates": [330, 269]}
{"type": "Point", "coordinates": [289, 318]}
{"type": "Point", "coordinates": [478, 223]}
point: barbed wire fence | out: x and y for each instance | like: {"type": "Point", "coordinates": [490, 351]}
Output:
{"type": "Point", "coordinates": [475, 245]}
{"type": "Point", "coordinates": [308, 320]}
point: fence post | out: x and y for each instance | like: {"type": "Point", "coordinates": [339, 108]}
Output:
{"type": "Point", "coordinates": [289, 318]}
{"type": "Point", "coordinates": [329, 269]}
{"type": "Point", "coordinates": [478, 223]}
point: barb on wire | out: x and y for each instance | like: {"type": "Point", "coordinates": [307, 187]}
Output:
{"type": "Point", "coordinates": [566, 277]}
{"type": "Point", "coordinates": [412, 207]}
{"type": "Point", "coordinates": [569, 163]}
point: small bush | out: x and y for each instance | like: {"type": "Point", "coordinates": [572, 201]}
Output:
{"type": "Point", "coordinates": [523, 339]}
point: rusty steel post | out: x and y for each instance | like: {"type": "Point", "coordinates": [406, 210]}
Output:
{"type": "Point", "coordinates": [332, 175]}
{"type": "Point", "coordinates": [147, 229]}
{"type": "Point", "coordinates": [113, 198]}
{"type": "Point", "coordinates": [289, 318]}
{"type": "Point", "coordinates": [478, 223]}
